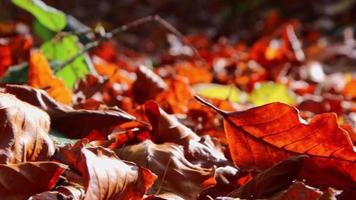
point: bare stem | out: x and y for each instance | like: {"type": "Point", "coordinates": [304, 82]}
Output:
{"type": "Point", "coordinates": [125, 27]}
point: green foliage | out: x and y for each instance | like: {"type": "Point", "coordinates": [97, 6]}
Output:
{"type": "Point", "coordinates": [49, 17]}
{"type": "Point", "coordinates": [16, 74]}
{"type": "Point", "coordinates": [216, 91]}
{"type": "Point", "coordinates": [272, 92]}
{"type": "Point", "coordinates": [62, 48]}
{"type": "Point", "coordinates": [42, 31]}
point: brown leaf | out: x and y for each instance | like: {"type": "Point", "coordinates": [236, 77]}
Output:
{"type": "Point", "coordinates": [262, 136]}
{"type": "Point", "coordinates": [24, 132]}
{"type": "Point", "coordinates": [166, 128]}
{"type": "Point", "coordinates": [63, 192]}
{"type": "Point", "coordinates": [272, 180]}
{"type": "Point", "coordinates": [298, 190]}
{"type": "Point", "coordinates": [20, 181]}
{"type": "Point", "coordinates": [177, 177]}
{"type": "Point", "coordinates": [148, 84]}
{"type": "Point", "coordinates": [105, 175]}
{"type": "Point", "coordinates": [73, 123]}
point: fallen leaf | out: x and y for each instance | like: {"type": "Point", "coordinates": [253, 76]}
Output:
{"type": "Point", "coordinates": [73, 123]}
{"type": "Point", "coordinates": [24, 132]}
{"type": "Point", "coordinates": [41, 76]}
{"type": "Point", "coordinates": [216, 91]}
{"type": "Point", "coordinates": [272, 180]}
{"type": "Point", "coordinates": [299, 190]}
{"type": "Point", "coordinates": [105, 176]}
{"type": "Point", "coordinates": [177, 177]}
{"type": "Point", "coordinates": [166, 128]}
{"type": "Point", "coordinates": [148, 84]}
{"type": "Point", "coordinates": [269, 92]}
{"type": "Point", "coordinates": [20, 181]}
{"type": "Point", "coordinates": [262, 136]}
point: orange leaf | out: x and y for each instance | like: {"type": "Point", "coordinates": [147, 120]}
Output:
{"type": "Point", "coordinates": [262, 136]}
{"type": "Point", "coordinates": [41, 76]}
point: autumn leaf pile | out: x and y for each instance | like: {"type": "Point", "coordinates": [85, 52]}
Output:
{"type": "Point", "coordinates": [206, 119]}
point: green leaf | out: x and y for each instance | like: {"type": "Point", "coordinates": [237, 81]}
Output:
{"type": "Point", "coordinates": [48, 16]}
{"type": "Point", "coordinates": [42, 31]}
{"type": "Point", "coordinates": [61, 49]}
{"type": "Point", "coordinates": [16, 74]}
{"type": "Point", "coordinates": [272, 92]}
{"type": "Point", "coordinates": [216, 91]}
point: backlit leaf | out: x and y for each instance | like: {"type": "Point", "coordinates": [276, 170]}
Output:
{"type": "Point", "coordinates": [48, 16]}
{"type": "Point", "coordinates": [61, 49]}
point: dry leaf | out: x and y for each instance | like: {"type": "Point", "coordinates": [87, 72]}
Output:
{"type": "Point", "coordinates": [71, 122]}
{"type": "Point", "coordinates": [166, 128]}
{"type": "Point", "coordinates": [20, 181]}
{"type": "Point", "coordinates": [148, 84]}
{"type": "Point", "coordinates": [105, 176]}
{"type": "Point", "coordinates": [177, 177]}
{"type": "Point", "coordinates": [262, 136]}
{"type": "Point", "coordinates": [24, 132]}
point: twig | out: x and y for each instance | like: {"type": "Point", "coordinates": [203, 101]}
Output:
{"type": "Point", "coordinates": [109, 35]}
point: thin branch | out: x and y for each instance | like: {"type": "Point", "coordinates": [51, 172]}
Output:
{"type": "Point", "coordinates": [111, 34]}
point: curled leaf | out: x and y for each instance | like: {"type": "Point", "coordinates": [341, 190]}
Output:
{"type": "Point", "coordinates": [177, 177]}
{"type": "Point", "coordinates": [166, 128]}
{"type": "Point", "coordinates": [24, 131]}
{"type": "Point", "coordinates": [65, 119]}
{"type": "Point", "coordinates": [105, 176]}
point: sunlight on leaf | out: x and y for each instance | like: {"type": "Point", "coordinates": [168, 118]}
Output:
{"type": "Point", "coordinates": [49, 17]}
{"type": "Point", "coordinates": [62, 49]}
{"type": "Point", "coordinates": [272, 92]}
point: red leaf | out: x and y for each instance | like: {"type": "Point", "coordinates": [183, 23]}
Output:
{"type": "Point", "coordinates": [19, 181]}
{"type": "Point", "coordinates": [262, 136]}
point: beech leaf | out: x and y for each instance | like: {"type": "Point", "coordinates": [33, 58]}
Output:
{"type": "Point", "coordinates": [262, 136]}
{"type": "Point", "coordinates": [67, 120]}
{"type": "Point", "coordinates": [20, 181]}
{"type": "Point", "coordinates": [177, 177]}
{"type": "Point", "coordinates": [105, 176]}
{"type": "Point", "coordinates": [24, 132]}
